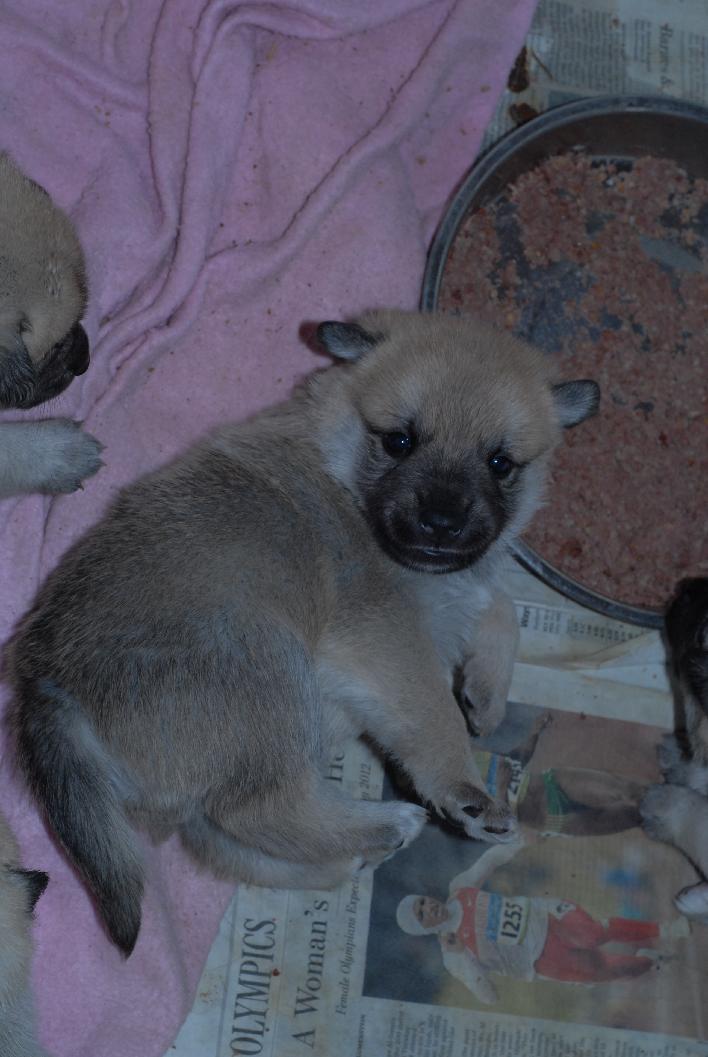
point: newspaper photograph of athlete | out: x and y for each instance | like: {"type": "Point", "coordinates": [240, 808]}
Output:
{"type": "Point", "coordinates": [575, 921]}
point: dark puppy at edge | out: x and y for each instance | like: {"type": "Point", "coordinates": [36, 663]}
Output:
{"type": "Point", "coordinates": [677, 811]}
{"type": "Point", "coordinates": [320, 572]}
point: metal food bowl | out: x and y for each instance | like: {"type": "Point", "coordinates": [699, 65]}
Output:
{"type": "Point", "coordinates": [610, 128]}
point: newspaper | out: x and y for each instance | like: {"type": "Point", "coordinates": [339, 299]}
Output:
{"type": "Point", "coordinates": [566, 944]}
{"type": "Point", "coordinates": [580, 48]}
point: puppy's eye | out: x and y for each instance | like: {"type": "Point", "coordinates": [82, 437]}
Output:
{"type": "Point", "coordinates": [501, 465]}
{"type": "Point", "coordinates": [397, 445]}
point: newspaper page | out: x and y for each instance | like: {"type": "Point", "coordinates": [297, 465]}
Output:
{"type": "Point", "coordinates": [580, 48]}
{"type": "Point", "coordinates": [566, 943]}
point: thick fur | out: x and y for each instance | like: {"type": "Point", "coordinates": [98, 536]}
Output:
{"type": "Point", "coordinates": [195, 661]}
{"type": "Point", "coordinates": [19, 891]}
{"type": "Point", "coordinates": [677, 811]}
{"type": "Point", "coordinates": [42, 343]}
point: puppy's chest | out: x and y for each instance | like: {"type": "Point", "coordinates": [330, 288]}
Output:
{"type": "Point", "coordinates": [449, 608]}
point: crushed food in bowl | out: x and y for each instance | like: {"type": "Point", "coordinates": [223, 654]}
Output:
{"type": "Point", "coordinates": [604, 264]}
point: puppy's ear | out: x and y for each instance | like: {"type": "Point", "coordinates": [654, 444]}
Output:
{"type": "Point", "coordinates": [17, 374]}
{"type": "Point", "coordinates": [35, 881]}
{"type": "Point", "coordinates": [346, 341]}
{"type": "Point", "coordinates": [576, 401]}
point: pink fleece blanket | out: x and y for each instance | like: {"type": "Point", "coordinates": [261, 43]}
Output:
{"type": "Point", "coordinates": [234, 169]}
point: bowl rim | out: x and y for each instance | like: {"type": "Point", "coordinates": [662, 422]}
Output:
{"type": "Point", "coordinates": [470, 186]}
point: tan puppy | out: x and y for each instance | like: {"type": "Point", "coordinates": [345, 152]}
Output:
{"type": "Point", "coordinates": [19, 891]}
{"type": "Point", "coordinates": [42, 343]}
{"type": "Point", "coordinates": [319, 573]}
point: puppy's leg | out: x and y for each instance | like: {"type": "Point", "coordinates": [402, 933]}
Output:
{"type": "Point", "coordinates": [679, 816]}
{"type": "Point", "coordinates": [409, 709]}
{"type": "Point", "coordinates": [679, 768]}
{"type": "Point", "coordinates": [313, 822]}
{"type": "Point", "coordinates": [51, 456]}
{"type": "Point", "coordinates": [489, 667]}
{"type": "Point", "coordinates": [234, 861]}
{"type": "Point", "coordinates": [433, 746]}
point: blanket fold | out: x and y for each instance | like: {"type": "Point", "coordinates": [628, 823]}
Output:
{"type": "Point", "coordinates": [234, 169]}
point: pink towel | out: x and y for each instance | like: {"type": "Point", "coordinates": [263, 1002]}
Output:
{"type": "Point", "coordinates": [234, 169]}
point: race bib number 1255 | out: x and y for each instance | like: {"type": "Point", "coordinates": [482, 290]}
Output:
{"type": "Point", "coordinates": [507, 919]}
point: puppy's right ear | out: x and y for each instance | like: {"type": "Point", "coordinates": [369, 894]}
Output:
{"type": "Point", "coordinates": [576, 401]}
{"type": "Point", "coordinates": [346, 341]}
{"type": "Point", "coordinates": [17, 374]}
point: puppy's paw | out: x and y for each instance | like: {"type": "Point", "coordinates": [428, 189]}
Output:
{"type": "Point", "coordinates": [64, 456]}
{"type": "Point", "coordinates": [484, 706]}
{"type": "Point", "coordinates": [411, 821]}
{"type": "Point", "coordinates": [405, 824]}
{"type": "Point", "coordinates": [663, 810]}
{"type": "Point", "coordinates": [693, 902]}
{"type": "Point", "coordinates": [479, 816]}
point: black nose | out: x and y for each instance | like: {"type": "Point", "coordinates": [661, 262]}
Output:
{"type": "Point", "coordinates": [441, 523]}
{"type": "Point", "coordinates": [78, 357]}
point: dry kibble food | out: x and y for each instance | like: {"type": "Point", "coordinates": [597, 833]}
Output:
{"type": "Point", "coordinates": [605, 265]}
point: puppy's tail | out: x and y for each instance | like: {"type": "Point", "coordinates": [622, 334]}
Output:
{"type": "Point", "coordinates": [80, 788]}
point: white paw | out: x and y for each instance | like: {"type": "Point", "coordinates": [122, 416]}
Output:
{"type": "Point", "coordinates": [411, 820]}
{"type": "Point", "coordinates": [663, 809]}
{"type": "Point", "coordinates": [63, 456]}
{"type": "Point", "coordinates": [408, 821]}
{"type": "Point", "coordinates": [693, 902]}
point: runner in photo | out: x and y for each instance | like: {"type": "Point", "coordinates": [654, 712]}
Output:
{"type": "Point", "coordinates": [525, 937]}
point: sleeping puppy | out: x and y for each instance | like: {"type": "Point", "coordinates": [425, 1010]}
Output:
{"type": "Point", "coordinates": [319, 573]}
{"type": "Point", "coordinates": [19, 891]}
{"type": "Point", "coordinates": [42, 343]}
{"type": "Point", "coordinates": [677, 811]}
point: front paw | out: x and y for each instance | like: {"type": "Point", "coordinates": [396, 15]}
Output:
{"type": "Point", "coordinates": [410, 821]}
{"type": "Point", "coordinates": [478, 815]}
{"type": "Point", "coordinates": [663, 810]}
{"type": "Point", "coordinates": [65, 457]}
{"type": "Point", "coordinates": [693, 902]}
{"type": "Point", "coordinates": [405, 823]}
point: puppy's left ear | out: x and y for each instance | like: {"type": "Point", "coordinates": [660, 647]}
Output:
{"type": "Point", "coordinates": [35, 881]}
{"type": "Point", "coordinates": [346, 341]}
{"type": "Point", "coordinates": [575, 401]}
